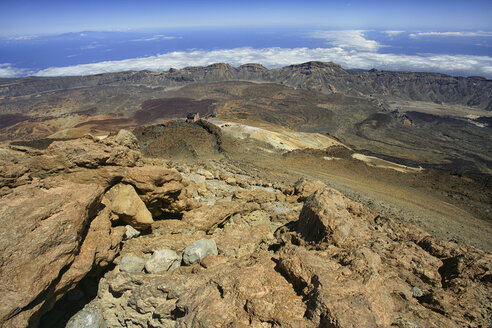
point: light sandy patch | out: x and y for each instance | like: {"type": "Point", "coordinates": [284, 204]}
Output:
{"type": "Point", "coordinates": [283, 140]}
{"type": "Point", "coordinates": [381, 163]}
{"type": "Point", "coordinates": [480, 125]}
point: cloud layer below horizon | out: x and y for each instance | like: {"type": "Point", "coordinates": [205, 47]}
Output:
{"type": "Point", "coordinates": [278, 57]}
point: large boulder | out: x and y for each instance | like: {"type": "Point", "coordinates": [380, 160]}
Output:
{"type": "Point", "coordinates": [42, 234]}
{"type": "Point", "coordinates": [115, 159]}
{"type": "Point", "coordinates": [161, 189]}
{"type": "Point", "coordinates": [325, 217]}
{"type": "Point", "coordinates": [368, 271]}
{"type": "Point", "coordinates": [121, 149]}
{"type": "Point", "coordinates": [304, 188]}
{"type": "Point", "coordinates": [127, 205]}
{"type": "Point", "coordinates": [99, 248]}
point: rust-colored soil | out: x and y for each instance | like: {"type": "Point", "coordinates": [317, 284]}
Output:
{"type": "Point", "coordinates": [110, 122]}
{"type": "Point", "coordinates": [7, 120]}
{"type": "Point", "coordinates": [168, 108]}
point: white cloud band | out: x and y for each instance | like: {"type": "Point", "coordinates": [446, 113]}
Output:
{"type": "Point", "coordinates": [393, 33]}
{"type": "Point", "coordinates": [277, 57]}
{"type": "Point", "coordinates": [347, 39]}
{"type": "Point", "coordinates": [452, 34]}
{"type": "Point", "coordinates": [7, 70]}
{"type": "Point", "coordinates": [156, 37]}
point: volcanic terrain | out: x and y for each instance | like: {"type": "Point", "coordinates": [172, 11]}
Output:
{"type": "Point", "coordinates": [306, 196]}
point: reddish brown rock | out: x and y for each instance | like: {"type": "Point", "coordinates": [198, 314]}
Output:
{"type": "Point", "coordinates": [359, 271]}
{"type": "Point", "coordinates": [304, 188]}
{"type": "Point", "coordinates": [90, 152]}
{"type": "Point", "coordinates": [14, 169]}
{"type": "Point", "coordinates": [257, 196]}
{"type": "Point", "coordinates": [207, 218]}
{"type": "Point", "coordinates": [325, 218]}
{"type": "Point", "coordinates": [161, 189]}
{"type": "Point", "coordinates": [245, 293]}
{"type": "Point", "coordinates": [354, 294]}
{"type": "Point", "coordinates": [123, 201]}
{"type": "Point", "coordinates": [42, 228]}
{"type": "Point", "coordinates": [99, 248]}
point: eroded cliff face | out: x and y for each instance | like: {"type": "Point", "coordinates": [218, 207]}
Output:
{"type": "Point", "coordinates": [216, 245]}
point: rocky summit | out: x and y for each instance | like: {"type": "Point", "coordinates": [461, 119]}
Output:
{"type": "Point", "coordinates": [97, 234]}
{"type": "Point", "coordinates": [220, 196]}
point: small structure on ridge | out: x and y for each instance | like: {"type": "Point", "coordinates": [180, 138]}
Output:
{"type": "Point", "coordinates": [192, 117]}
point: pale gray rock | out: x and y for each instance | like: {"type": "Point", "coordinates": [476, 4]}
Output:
{"type": "Point", "coordinates": [88, 317]}
{"type": "Point", "coordinates": [417, 292]}
{"type": "Point", "coordinates": [199, 250]}
{"type": "Point", "coordinates": [132, 264]}
{"type": "Point", "coordinates": [163, 260]}
{"type": "Point", "coordinates": [197, 178]}
{"type": "Point", "coordinates": [131, 232]}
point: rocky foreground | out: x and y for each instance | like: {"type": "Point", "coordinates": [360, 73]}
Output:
{"type": "Point", "coordinates": [215, 245]}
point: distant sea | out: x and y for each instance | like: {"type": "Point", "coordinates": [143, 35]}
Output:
{"type": "Point", "coordinates": [89, 52]}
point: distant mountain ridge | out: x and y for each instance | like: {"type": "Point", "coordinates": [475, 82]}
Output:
{"type": "Point", "coordinates": [319, 76]}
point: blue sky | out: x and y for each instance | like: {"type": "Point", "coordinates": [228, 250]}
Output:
{"type": "Point", "coordinates": [54, 37]}
{"type": "Point", "coordinates": [20, 17]}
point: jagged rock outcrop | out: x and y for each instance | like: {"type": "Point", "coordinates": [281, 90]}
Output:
{"type": "Point", "coordinates": [120, 150]}
{"type": "Point", "coordinates": [43, 230]}
{"type": "Point", "coordinates": [88, 159]}
{"type": "Point", "coordinates": [285, 256]}
{"type": "Point", "coordinates": [161, 189]}
{"type": "Point", "coordinates": [338, 265]}
{"type": "Point", "coordinates": [56, 228]}
{"type": "Point", "coordinates": [248, 293]}
{"type": "Point", "coordinates": [325, 217]}
{"type": "Point", "coordinates": [387, 273]}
